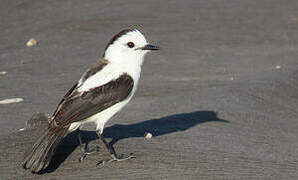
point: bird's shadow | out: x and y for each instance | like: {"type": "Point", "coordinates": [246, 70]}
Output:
{"type": "Point", "coordinates": [157, 127]}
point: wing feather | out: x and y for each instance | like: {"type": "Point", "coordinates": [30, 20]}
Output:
{"type": "Point", "coordinates": [78, 106]}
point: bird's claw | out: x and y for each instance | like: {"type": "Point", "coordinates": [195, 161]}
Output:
{"type": "Point", "coordinates": [86, 152]}
{"type": "Point", "coordinates": [121, 157]}
{"type": "Point", "coordinates": [115, 158]}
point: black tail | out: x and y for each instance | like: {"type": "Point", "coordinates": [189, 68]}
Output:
{"type": "Point", "coordinates": [43, 150]}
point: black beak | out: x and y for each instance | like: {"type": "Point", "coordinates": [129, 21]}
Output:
{"type": "Point", "coordinates": [150, 47]}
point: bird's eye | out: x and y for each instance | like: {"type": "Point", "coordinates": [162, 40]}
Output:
{"type": "Point", "coordinates": [130, 44]}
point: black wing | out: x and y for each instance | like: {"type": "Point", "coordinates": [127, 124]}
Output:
{"type": "Point", "coordinates": [78, 106]}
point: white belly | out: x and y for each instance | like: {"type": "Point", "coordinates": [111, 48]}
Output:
{"type": "Point", "coordinates": [101, 118]}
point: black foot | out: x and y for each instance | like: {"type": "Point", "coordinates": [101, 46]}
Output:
{"type": "Point", "coordinates": [115, 158]}
{"type": "Point", "coordinates": [86, 151]}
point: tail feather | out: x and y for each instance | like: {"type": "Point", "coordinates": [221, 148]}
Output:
{"type": "Point", "coordinates": [43, 150]}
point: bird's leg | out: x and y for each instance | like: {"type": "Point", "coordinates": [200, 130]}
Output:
{"type": "Point", "coordinates": [84, 148]}
{"type": "Point", "coordinates": [115, 156]}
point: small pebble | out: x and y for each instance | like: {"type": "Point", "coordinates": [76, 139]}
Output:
{"type": "Point", "coordinates": [148, 135]}
{"type": "Point", "coordinates": [22, 129]}
{"type": "Point", "coordinates": [277, 67]}
{"type": "Point", "coordinates": [3, 72]}
{"type": "Point", "coordinates": [13, 100]}
{"type": "Point", "coordinates": [31, 42]}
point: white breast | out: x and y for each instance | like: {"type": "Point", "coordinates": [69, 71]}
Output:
{"type": "Point", "coordinates": [110, 72]}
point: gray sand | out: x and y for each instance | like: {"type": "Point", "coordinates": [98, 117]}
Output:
{"type": "Point", "coordinates": [220, 99]}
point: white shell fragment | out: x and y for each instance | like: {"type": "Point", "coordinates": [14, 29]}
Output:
{"type": "Point", "coordinates": [148, 135]}
{"type": "Point", "coordinates": [277, 67]}
{"type": "Point", "coordinates": [22, 129]}
{"type": "Point", "coordinates": [3, 72]}
{"type": "Point", "coordinates": [31, 42]}
{"type": "Point", "coordinates": [12, 100]}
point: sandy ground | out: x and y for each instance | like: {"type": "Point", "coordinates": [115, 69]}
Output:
{"type": "Point", "coordinates": [220, 98]}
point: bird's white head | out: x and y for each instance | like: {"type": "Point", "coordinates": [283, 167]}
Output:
{"type": "Point", "coordinates": [128, 46]}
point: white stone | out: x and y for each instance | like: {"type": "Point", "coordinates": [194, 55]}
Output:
{"type": "Point", "coordinates": [12, 100]}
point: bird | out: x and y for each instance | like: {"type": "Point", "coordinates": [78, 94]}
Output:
{"type": "Point", "coordinates": [101, 92]}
